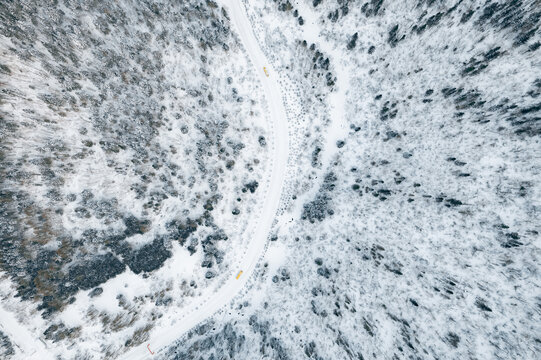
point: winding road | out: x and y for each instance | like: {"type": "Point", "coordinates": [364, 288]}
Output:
{"type": "Point", "coordinates": [261, 226]}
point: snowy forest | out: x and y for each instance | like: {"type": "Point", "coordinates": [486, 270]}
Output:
{"type": "Point", "coordinates": [270, 179]}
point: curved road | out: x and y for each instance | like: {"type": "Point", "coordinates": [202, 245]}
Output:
{"type": "Point", "coordinates": [260, 228]}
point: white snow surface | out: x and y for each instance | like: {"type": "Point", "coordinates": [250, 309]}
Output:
{"type": "Point", "coordinates": [27, 346]}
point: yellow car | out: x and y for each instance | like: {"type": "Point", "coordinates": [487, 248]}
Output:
{"type": "Point", "coordinates": [265, 70]}
{"type": "Point", "coordinates": [239, 274]}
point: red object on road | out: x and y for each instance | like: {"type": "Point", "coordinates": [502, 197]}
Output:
{"type": "Point", "coordinates": [148, 347]}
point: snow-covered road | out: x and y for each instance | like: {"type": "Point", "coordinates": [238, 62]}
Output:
{"type": "Point", "coordinates": [26, 345]}
{"type": "Point", "coordinates": [262, 222]}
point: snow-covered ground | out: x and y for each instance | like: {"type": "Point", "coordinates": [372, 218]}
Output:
{"type": "Point", "coordinates": [22, 341]}
{"type": "Point", "coordinates": [380, 189]}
